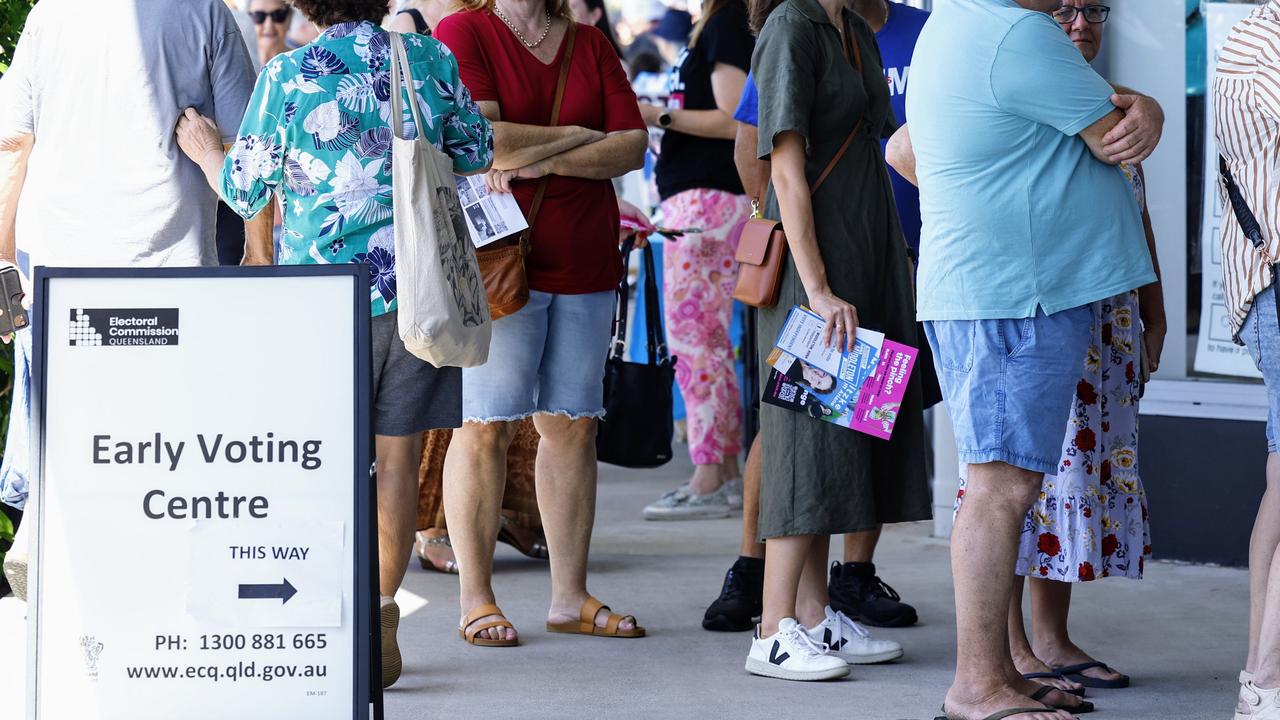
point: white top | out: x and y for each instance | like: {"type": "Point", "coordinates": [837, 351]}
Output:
{"type": "Point", "coordinates": [101, 86]}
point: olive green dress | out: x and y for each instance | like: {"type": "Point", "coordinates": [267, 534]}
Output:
{"type": "Point", "coordinates": [820, 478]}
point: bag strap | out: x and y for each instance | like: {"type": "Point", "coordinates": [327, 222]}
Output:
{"type": "Point", "coordinates": [656, 342]}
{"type": "Point", "coordinates": [653, 312]}
{"type": "Point", "coordinates": [400, 64]}
{"type": "Point", "coordinates": [1244, 216]}
{"type": "Point", "coordinates": [561, 83]}
{"type": "Point", "coordinates": [620, 308]}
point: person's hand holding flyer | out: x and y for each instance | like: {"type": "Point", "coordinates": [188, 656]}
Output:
{"type": "Point", "coordinates": [861, 388]}
{"type": "Point", "coordinates": [490, 216]}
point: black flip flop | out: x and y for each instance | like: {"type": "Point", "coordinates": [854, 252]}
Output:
{"type": "Point", "coordinates": [1054, 676]}
{"type": "Point", "coordinates": [1003, 713]}
{"type": "Point", "coordinates": [1075, 672]}
{"type": "Point", "coordinates": [1085, 707]}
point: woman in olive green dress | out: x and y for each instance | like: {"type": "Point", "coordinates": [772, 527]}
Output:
{"type": "Point", "coordinates": [819, 73]}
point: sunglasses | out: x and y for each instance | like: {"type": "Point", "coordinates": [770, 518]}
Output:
{"type": "Point", "coordinates": [277, 16]}
{"type": "Point", "coordinates": [1094, 14]}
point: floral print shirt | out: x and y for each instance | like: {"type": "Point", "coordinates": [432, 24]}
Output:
{"type": "Point", "coordinates": [317, 134]}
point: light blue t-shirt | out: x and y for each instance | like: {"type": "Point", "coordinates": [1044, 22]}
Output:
{"type": "Point", "coordinates": [1017, 213]}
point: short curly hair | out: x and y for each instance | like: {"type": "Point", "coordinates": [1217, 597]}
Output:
{"type": "Point", "coordinates": [333, 12]}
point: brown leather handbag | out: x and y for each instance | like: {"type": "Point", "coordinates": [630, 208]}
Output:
{"type": "Point", "coordinates": [762, 247]}
{"type": "Point", "coordinates": [506, 283]}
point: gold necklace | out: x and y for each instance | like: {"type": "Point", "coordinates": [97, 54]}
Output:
{"type": "Point", "coordinates": [519, 35]}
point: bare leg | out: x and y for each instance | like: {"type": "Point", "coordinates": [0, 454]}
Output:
{"type": "Point", "coordinates": [706, 479]}
{"type": "Point", "coordinates": [751, 545]}
{"type": "Point", "coordinates": [1266, 660]}
{"type": "Point", "coordinates": [984, 548]}
{"type": "Point", "coordinates": [1051, 606]}
{"type": "Point", "coordinates": [784, 563]}
{"type": "Point", "coordinates": [811, 595]}
{"type": "Point", "coordinates": [397, 506]}
{"type": "Point", "coordinates": [1024, 658]}
{"type": "Point", "coordinates": [1262, 553]}
{"type": "Point", "coordinates": [566, 480]}
{"type": "Point", "coordinates": [475, 474]}
{"type": "Point", "coordinates": [729, 469]}
{"type": "Point", "coordinates": [860, 547]}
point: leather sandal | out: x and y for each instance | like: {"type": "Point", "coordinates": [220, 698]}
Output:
{"type": "Point", "coordinates": [587, 623]}
{"type": "Point", "coordinates": [530, 543]}
{"type": "Point", "coordinates": [470, 628]}
{"type": "Point", "coordinates": [422, 544]}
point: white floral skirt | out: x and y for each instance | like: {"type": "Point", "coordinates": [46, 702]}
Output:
{"type": "Point", "coordinates": [1091, 519]}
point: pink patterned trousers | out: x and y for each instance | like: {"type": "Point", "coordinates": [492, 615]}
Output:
{"type": "Point", "coordinates": [698, 278]}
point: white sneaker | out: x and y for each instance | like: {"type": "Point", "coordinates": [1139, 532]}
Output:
{"type": "Point", "coordinates": [681, 504]}
{"type": "Point", "coordinates": [1262, 704]}
{"type": "Point", "coordinates": [791, 654]}
{"type": "Point", "coordinates": [733, 493]}
{"type": "Point", "coordinates": [1242, 701]}
{"type": "Point", "coordinates": [851, 642]}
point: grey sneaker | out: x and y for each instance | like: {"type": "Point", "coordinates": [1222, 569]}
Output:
{"type": "Point", "coordinates": [733, 493]}
{"type": "Point", "coordinates": [680, 504]}
{"type": "Point", "coordinates": [15, 570]}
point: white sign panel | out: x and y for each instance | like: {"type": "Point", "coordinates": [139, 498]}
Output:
{"type": "Point", "coordinates": [1215, 351]}
{"type": "Point", "coordinates": [197, 539]}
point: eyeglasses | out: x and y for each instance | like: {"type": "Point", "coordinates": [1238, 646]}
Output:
{"type": "Point", "coordinates": [1095, 14]}
{"type": "Point", "coordinates": [277, 16]}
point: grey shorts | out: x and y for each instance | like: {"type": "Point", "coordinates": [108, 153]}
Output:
{"type": "Point", "coordinates": [409, 394]}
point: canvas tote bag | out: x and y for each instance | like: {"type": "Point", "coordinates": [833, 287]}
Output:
{"type": "Point", "coordinates": [443, 313]}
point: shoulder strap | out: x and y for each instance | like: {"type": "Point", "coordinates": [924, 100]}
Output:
{"type": "Point", "coordinates": [563, 80]}
{"type": "Point", "coordinates": [1244, 216]}
{"type": "Point", "coordinates": [852, 51]}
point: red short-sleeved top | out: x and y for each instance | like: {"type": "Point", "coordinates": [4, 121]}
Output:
{"type": "Point", "coordinates": [575, 236]}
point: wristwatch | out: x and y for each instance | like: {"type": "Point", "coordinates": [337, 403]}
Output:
{"type": "Point", "coordinates": [664, 120]}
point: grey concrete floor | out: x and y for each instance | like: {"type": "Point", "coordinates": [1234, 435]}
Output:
{"type": "Point", "coordinates": [1180, 633]}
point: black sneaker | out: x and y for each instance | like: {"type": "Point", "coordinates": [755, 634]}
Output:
{"type": "Point", "coordinates": [741, 599]}
{"type": "Point", "coordinates": [857, 592]}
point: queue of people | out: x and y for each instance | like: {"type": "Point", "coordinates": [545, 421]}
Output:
{"type": "Point", "coordinates": [799, 107]}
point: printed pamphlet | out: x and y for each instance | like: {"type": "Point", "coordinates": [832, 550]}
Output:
{"type": "Point", "coordinates": [861, 389]}
{"type": "Point", "coordinates": [490, 216]}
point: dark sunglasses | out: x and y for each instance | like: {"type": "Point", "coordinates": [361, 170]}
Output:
{"type": "Point", "coordinates": [1094, 14]}
{"type": "Point", "coordinates": [277, 16]}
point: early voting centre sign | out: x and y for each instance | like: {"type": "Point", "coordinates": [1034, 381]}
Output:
{"type": "Point", "coordinates": [202, 462]}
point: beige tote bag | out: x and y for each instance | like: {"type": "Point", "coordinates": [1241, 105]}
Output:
{"type": "Point", "coordinates": [443, 311]}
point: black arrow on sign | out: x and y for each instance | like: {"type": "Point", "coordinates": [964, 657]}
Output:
{"type": "Point", "coordinates": [283, 591]}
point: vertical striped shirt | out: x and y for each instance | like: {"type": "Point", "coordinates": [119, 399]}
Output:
{"type": "Point", "coordinates": [1246, 95]}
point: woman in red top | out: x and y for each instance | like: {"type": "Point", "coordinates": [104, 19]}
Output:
{"type": "Point", "coordinates": [547, 360]}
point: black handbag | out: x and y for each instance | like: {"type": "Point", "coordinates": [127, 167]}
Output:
{"type": "Point", "coordinates": [637, 427]}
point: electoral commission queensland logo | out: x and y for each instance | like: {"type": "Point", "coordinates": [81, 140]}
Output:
{"type": "Point", "coordinates": [93, 327]}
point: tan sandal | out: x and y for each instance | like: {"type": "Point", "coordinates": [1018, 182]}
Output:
{"type": "Point", "coordinates": [468, 632]}
{"type": "Point", "coordinates": [587, 624]}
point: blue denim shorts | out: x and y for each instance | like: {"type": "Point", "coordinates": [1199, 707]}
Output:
{"type": "Point", "coordinates": [547, 358]}
{"type": "Point", "coordinates": [1261, 335]}
{"type": "Point", "coordinates": [1009, 383]}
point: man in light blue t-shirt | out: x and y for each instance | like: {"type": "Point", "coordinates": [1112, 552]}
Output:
{"type": "Point", "coordinates": [1008, 146]}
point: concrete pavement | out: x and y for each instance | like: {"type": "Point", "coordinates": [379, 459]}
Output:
{"type": "Point", "coordinates": [1180, 634]}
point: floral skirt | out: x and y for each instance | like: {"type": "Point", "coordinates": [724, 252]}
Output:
{"type": "Point", "coordinates": [1091, 518]}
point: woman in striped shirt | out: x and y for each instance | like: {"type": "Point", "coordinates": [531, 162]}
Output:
{"type": "Point", "coordinates": [1246, 95]}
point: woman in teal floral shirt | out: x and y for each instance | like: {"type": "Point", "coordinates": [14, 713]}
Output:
{"type": "Point", "coordinates": [317, 134]}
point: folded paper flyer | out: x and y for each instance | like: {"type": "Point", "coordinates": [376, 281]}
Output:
{"type": "Point", "coordinates": [861, 389]}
